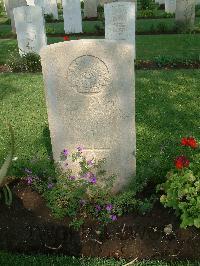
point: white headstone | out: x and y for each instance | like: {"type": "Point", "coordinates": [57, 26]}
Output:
{"type": "Point", "coordinates": [72, 16]}
{"type": "Point", "coordinates": [30, 2]}
{"type": "Point", "coordinates": [11, 4]}
{"type": "Point", "coordinates": [90, 8]}
{"type": "Point", "coordinates": [50, 7]}
{"type": "Point", "coordinates": [170, 6]}
{"type": "Point", "coordinates": [120, 21]}
{"type": "Point", "coordinates": [30, 28]}
{"type": "Point", "coordinates": [91, 102]}
{"type": "Point", "coordinates": [185, 11]}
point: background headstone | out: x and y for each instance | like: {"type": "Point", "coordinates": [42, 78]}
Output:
{"type": "Point", "coordinates": [170, 6]}
{"type": "Point", "coordinates": [11, 4]}
{"type": "Point", "coordinates": [91, 102]}
{"type": "Point", "coordinates": [50, 7]}
{"type": "Point", "coordinates": [72, 16]}
{"type": "Point", "coordinates": [90, 8]}
{"type": "Point", "coordinates": [185, 11]}
{"type": "Point", "coordinates": [30, 29]}
{"type": "Point", "coordinates": [120, 21]}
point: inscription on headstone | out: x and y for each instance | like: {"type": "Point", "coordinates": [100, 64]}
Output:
{"type": "Point", "coordinates": [29, 23]}
{"type": "Point", "coordinates": [120, 21]}
{"type": "Point", "coordinates": [90, 99]}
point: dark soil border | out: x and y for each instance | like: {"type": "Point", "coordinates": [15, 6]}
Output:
{"type": "Point", "coordinates": [28, 227]}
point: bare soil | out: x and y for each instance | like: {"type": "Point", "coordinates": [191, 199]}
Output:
{"type": "Point", "coordinates": [28, 226]}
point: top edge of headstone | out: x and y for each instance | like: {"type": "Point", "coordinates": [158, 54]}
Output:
{"type": "Point", "coordinates": [120, 4]}
{"type": "Point", "coordinates": [55, 46]}
{"type": "Point", "coordinates": [28, 7]}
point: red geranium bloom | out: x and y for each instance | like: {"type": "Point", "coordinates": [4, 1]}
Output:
{"type": "Point", "coordinates": [184, 141]}
{"type": "Point", "coordinates": [66, 38]}
{"type": "Point", "coordinates": [192, 142]}
{"type": "Point", "coordinates": [181, 162]}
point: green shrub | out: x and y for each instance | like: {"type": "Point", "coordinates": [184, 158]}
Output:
{"type": "Point", "coordinates": [147, 4]}
{"type": "Point", "coordinates": [181, 191]}
{"type": "Point", "coordinates": [49, 18]}
{"type": "Point", "coordinates": [147, 13]}
{"type": "Point", "coordinates": [29, 62]}
{"type": "Point", "coordinates": [50, 30]}
{"type": "Point", "coordinates": [162, 27]}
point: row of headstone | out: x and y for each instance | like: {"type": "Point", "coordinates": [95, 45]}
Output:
{"type": "Point", "coordinates": [184, 9]}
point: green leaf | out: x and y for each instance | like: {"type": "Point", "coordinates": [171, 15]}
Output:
{"type": "Point", "coordinates": [8, 161]}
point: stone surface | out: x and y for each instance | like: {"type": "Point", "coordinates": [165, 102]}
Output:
{"type": "Point", "coordinates": [50, 7]}
{"type": "Point", "coordinates": [72, 16]}
{"type": "Point", "coordinates": [90, 8]}
{"type": "Point", "coordinates": [91, 102]}
{"type": "Point", "coordinates": [30, 29]}
{"type": "Point", "coordinates": [30, 2]}
{"type": "Point", "coordinates": [11, 4]}
{"type": "Point", "coordinates": [185, 11]}
{"type": "Point", "coordinates": [170, 6]}
{"type": "Point", "coordinates": [120, 21]}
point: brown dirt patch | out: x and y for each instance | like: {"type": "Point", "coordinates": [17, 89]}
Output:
{"type": "Point", "coordinates": [28, 226]}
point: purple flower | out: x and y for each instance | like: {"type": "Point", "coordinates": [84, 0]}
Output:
{"type": "Point", "coordinates": [93, 180]}
{"type": "Point", "coordinates": [65, 152]}
{"type": "Point", "coordinates": [72, 177]}
{"type": "Point", "coordinates": [90, 162]}
{"type": "Point", "coordinates": [82, 202]}
{"type": "Point", "coordinates": [109, 207]}
{"type": "Point", "coordinates": [113, 217]}
{"type": "Point", "coordinates": [28, 171]}
{"type": "Point", "coordinates": [98, 208]}
{"type": "Point", "coordinates": [50, 185]}
{"type": "Point", "coordinates": [29, 180]}
{"type": "Point", "coordinates": [80, 148]}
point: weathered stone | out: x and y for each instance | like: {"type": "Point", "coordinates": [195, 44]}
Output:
{"type": "Point", "coordinates": [90, 8]}
{"type": "Point", "coordinates": [72, 16]}
{"type": "Point", "coordinates": [185, 11]}
{"type": "Point", "coordinates": [10, 5]}
{"type": "Point", "coordinates": [170, 6]}
{"type": "Point", "coordinates": [90, 99]}
{"type": "Point", "coordinates": [120, 21]}
{"type": "Point", "coordinates": [30, 28]}
{"type": "Point", "coordinates": [48, 6]}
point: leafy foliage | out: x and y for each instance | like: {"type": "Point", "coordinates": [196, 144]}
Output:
{"type": "Point", "coordinates": [182, 188]}
{"type": "Point", "coordinates": [4, 181]}
{"type": "Point", "coordinates": [29, 62]}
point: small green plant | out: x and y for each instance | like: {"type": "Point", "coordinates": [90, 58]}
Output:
{"type": "Point", "coordinates": [29, 62]}
{"type": "Point", "coordinates": [4, 180]}
{"type": "Point", "coordinates": [181, 191]}
{"type": "Point", "coordinates": [86, 194]}
{"type": "Point", "coordinates": [147, 13]}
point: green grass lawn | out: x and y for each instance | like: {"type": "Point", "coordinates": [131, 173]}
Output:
{"type": "Point", "coordinates": [142, 25]}
{"type": "Point", "coordinates": [166, 109]}
{"type": "Point", "coordinates": [44, 260]}
{"type": "Point", "coordinates": [147, 46]}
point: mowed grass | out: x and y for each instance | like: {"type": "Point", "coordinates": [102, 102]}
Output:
{"type": "Point", "coordinates": [45, 260]}
{"type": "Point", "coordinates": [147, 46]}
{"type": "Point", "coordinates": [142, 26]}
{"type": "Point", "coordinates": [167, 108]}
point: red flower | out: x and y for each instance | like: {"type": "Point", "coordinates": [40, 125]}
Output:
{"type": "Point", "coordinates": [66, 38]}
{"type": "Point", "coordinates": [191, 142]}
{"type": "Point", "coordinates": [181, 162]}
{"type": "Point", "coordinates": [184, 142]}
